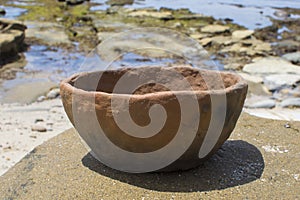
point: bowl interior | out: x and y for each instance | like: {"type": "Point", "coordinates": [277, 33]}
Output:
{"type": "Point", "coordinates": [153, 79]}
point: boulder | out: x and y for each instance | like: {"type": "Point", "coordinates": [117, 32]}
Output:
{"type": "Point", "coordinates": [11, 37]}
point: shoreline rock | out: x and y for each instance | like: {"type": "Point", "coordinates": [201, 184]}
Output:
{"type": "Point", "coordinates": [12, 35]}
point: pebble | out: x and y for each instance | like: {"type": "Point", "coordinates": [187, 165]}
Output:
{"type": "Point", "coordinates": [41, 98]}
{"type": "Point", "coordinates": [292, 57]}
{"type": "Point", "coordinates": [242, 34]}
{"type": "Point", "coordinates": [262, 104]}
{"type": "Point", "coordinates": [177, 25]}
{"type": "Point", "coordinates": [38, 128]}
{"type": "Point", "coordinates": [38, 120]}
{"type": "Point", "coordinates": [215, 29]}
{"type": "Point", "coordinates": [33, 136]}
{"type": "Point", "coordinates": [52, 94]}
{"type": "Point", "coordinates": [290, 103]}
{"type": "Point", "coordinates": [60, 19]}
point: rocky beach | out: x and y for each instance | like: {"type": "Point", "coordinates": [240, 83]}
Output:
{"type": "Point", "coordinates": [44, 41]}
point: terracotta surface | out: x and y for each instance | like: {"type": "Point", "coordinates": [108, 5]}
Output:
{"type": "Point", "coordinates": [87, 100]}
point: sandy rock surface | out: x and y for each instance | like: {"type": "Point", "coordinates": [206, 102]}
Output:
{"type": "Point", "coordinates": [260, 161]}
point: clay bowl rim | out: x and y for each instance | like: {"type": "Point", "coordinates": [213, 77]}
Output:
{"type": "Point", "coordinates": [66, 84]}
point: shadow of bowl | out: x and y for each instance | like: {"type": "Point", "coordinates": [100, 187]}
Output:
{"type": "Point", "coordinates": [236, 163]}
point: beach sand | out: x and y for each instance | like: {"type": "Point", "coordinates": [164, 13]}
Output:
{"type": "Point", "coordinates": [16, 122]}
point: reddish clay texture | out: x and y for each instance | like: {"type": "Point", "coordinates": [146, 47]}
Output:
{"type": "Point", "coordinates": [101, 87]}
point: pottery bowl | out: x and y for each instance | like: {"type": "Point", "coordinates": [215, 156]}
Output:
{"type": "Point", "coordinates": [154, 118]}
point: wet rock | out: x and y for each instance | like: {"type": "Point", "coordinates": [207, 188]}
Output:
{"type": "Point", "coordinates": [292, 57]}
{"type": "Point", "coordinates": [214, 29]}
{"type": "Point", "coordinates": [104, 35]}
{"type": "Point", "coordinates": [11, 37]}
{"type": "Point", "coordinates": [52, 94]}
{"type": "Point", "coordinates": [190, 16]}
{"type": "Point", "coordinates": [74, 2]}
{"type": "Point", "coordinates": [289, 45]}
{"type": "Point", "coordinates": [242, 34]}
{"type": "Point", "coordinates": [119, 2]}
{"type": "Point", "coordinates": [154, 14]}
{"type": "Point", "coordinates": [41, 98]}
{"type": "Point", "coordinates": [47, 32]}
{"type": "Point", "coordinates": [269, 103]}
{"type": "Point", "coordinates": [277, 81]}
{"type": "Point", "coordinates": [124, 43]}
{"type": "Point", "coordinates": [2, 11]}
{"type": "Point", "coordinates": [8, 25]}
{"type": "Point", "coordinates": [290, 103]}
{"type": "Point", "coordinates": [38, 128]}
{"type": "Point", "coordinates": [271, 65]}
{"type": "Point", "coordinates": [233, 66]}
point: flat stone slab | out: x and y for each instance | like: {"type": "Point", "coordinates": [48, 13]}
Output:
{"type": "Point", "coordinates": [261, 160]}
